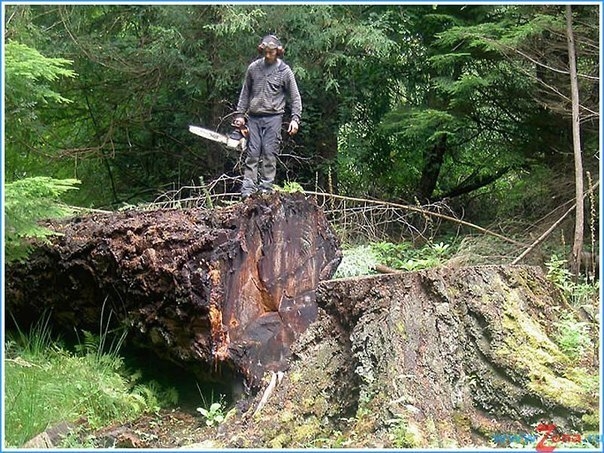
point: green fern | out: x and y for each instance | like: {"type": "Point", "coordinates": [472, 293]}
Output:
{"type": "Point", "coordinates": [90, 344]}
{"type": "Point", "coordinates": [27, 201]}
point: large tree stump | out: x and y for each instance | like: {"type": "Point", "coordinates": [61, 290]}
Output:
{"type": "Point", "coordinates": [438, 358]}
{"type": "Point", "coordinates": [234, 285]}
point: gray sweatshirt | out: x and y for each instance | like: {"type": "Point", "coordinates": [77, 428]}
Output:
{"type": "Point", "coordinates": [265, 89]}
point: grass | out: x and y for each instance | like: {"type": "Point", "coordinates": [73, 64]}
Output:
{"type": "Point", "coordinates": [46, 384]}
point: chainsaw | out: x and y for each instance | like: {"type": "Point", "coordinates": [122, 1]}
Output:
{"type": "Point", "coordinates": [236, 139]}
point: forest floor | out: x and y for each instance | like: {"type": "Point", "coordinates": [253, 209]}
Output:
{"type": "Point", "coordinates": [169, 428]}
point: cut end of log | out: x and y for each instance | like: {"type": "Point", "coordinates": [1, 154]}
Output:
{"type": "Point", "coordinates": [234, 285]}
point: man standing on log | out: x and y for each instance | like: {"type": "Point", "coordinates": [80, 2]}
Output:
{"type": "Point", "coordinates": [268, 83]}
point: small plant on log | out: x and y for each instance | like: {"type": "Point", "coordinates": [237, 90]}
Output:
{"type": "Point", "coordinates": [401, 434]}
{"type": "Point", "coordinates": [290, 187]}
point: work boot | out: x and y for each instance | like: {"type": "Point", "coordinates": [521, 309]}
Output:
{"type": "Point", "coordinates": [266, 188]}
{"type": "Point", "coordinates": [247, 188]}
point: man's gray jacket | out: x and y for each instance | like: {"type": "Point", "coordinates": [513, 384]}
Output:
{"type": "Point", "coordinates": [265, 90]}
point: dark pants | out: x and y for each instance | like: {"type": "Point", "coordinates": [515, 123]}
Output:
{"type": "Point", "coordinates": [262, 150]}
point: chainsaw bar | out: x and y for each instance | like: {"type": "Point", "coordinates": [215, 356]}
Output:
{"type": "Point", "coordinates": [218, 137]}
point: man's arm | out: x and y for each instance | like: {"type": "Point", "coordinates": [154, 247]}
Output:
{"type": "Point", "coordinates": [244, 96]}
{"type": "Point", "coordinates": [294, 94]}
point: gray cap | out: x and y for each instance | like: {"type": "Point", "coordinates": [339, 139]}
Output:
{"type": "Point", "coordinates": [270, 41]}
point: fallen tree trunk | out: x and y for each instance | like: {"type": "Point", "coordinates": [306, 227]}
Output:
{"type": "Point", "coordinates": [231, 286]}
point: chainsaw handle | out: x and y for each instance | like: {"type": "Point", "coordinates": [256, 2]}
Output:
{"type": "Point", "coordinates": [239, 122]}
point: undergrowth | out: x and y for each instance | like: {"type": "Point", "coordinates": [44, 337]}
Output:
{"type": "Point", "coordinates": [26, 202]}
{"type": "Point", "coordinates": [45, 384]}
{"type": "Point", "coordinates": [573, 335]}
{"type": "Point", "coordinates": [363, 259]}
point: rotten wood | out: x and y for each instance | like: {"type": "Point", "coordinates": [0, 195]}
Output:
{"type": "Point", "coordinates": [233, 286]}
{"type": "Point", "coordinates": [441, 358]}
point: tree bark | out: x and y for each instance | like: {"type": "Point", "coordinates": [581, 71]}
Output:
{"type": "Point", "coordinates": [576, 121]}
{"type": "Point", "coordinates": [442, 358]}
{"type": "Point", "coordinates": [433, 161]}
{"type": "Point", "coordinates": [232, 286]}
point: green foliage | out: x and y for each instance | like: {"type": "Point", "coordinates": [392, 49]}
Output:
{"type": "Point", "coordinates": [401, 435]}
{"type": "Point", "coordinates": [469, 87]}
{"type": "Point", "coordinates": [235, 20]}
{"type": "Point", "coordinates": [290, 187]}
{"type": "Point", "coordinates": [356, 261]}
{"type": "Point", "coordinates": [578, 292]}
{"type": "Point", "coordinates": [405, 257]}
{"type": "Point", "coordinates": [582, 295]}
{"type": "Point", "coordinates": [214, 411]}
{"type": "Point", "coordinates": [30, 77]}
{"type": "Point", "coordinates": [363, 259]}
{"type": "Point", "coordinates": [214, 415]}
{"type": "Point", "coordinates": [427, 101]}
{"type": "Point", "coordinates": [27, 201]}
{"type": "Point", "coordinates": [573, 337]}
{"type": "Point", "coordinates": [93, 344]}
{"type": "Point", "coordinates": [559, 274]}
{"type": "Point", "coordinates": [37, 340]}
{"type": "Point", "coordinates": [27, 74]}
{"type": "Point", "coordinates": [586, 293]}
{"type": "Point", "coordinates": [523, 194]}
{"type": "Point", "coordinates": [77, 438]}
{"type": "Point", "coordinates": [45, 384]}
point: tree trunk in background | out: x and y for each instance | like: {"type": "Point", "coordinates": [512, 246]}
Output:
{"type": "Point", "coordinates": [433, 161]}
{"type": "Point", "coordinates": [199, 287]}
{"type": "Point", "coordinates": [576, 119]}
